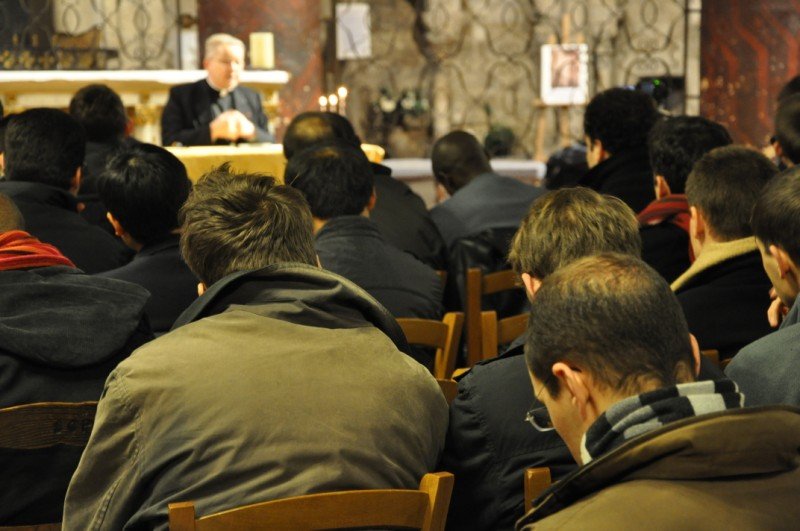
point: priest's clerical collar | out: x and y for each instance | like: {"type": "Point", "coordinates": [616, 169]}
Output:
{"type": "Point", "coordinates": [222, 92]}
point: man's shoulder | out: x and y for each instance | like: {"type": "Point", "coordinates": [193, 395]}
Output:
{"type": "Point", "coordinates": [769, 354]}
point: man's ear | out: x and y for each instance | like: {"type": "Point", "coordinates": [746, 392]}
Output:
{"type": "Point", "coordinates": [75, 182]}
{"type": "Point", "coordinates": [782, 258]}
{"type": "Point", "coordinates": [118, 230]}
{"type": "Point", "coordinates": [695, 354]}
{"type": "Point", "coordinates": [662, 187]}
{"type": "Point", "coordinates": [532, 284]}
{"type": "Point", "coordinates": [697, 230]}
{"type": "Point", "coordinates": [373, 198]}
{"type": "Point", "coordinates": [574, 382]}
{"type": "Point", "coordinates": [201, 288]}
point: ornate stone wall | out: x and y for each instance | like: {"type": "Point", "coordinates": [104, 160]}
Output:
{"type": "Point", "coordinates": [475, 64]}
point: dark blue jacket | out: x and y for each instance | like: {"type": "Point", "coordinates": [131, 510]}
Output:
{"type": "Point", "coordinates": [160, 269]}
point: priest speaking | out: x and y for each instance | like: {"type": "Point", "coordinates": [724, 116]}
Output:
{"type": "Point", "coordinates": [215, 110]}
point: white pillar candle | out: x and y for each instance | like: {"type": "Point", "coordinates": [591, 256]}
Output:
{"type": "Point", "coordinates": [262, 50]}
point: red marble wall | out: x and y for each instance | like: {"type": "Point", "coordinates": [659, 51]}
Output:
{"type": "Point", "coordinates": [749, 50]}
{"type": "Point", "coordinates": [296, 25]}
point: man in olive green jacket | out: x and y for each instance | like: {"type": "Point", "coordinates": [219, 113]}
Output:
{"type": "Point", "coordinates": [282, 379]}
{"type": "Point", "coordinates": [658, 450]}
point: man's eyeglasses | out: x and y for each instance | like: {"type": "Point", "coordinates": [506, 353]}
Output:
{"type": "Point", "coordinates": [539, 418]}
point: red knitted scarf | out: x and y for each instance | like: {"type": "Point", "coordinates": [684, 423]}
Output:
{"type": "Point", "coordinates": [673, 208]}
{"type": "Point", "coordinates": [20, 250]}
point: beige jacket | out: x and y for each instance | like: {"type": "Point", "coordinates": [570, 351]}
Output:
{"type": "Point", "coordinates": [296, 387]}
{"type": "Point", "coordinates": [736, 469]}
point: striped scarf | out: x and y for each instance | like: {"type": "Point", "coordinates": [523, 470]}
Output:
{"type": "Point", "coordinates": [644, 413]}
{"type": "Point", "coordinates": [20, 250]}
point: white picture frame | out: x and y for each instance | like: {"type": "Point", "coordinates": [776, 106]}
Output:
{"type": "Point", "coordinates": [564, 74]}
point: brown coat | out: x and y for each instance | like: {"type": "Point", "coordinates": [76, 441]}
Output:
{"type": "Point", "coordinates": [735, 469]}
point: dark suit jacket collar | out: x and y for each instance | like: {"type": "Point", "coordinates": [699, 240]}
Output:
{"type": "Point", "coordinates": [170, 241]}
{"type": "Point", "coordinates": [631, 160]}
{"type": "Point", "coordinates": [33, 192]}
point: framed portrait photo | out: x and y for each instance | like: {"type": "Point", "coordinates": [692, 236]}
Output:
{"type": "Point", "coordinates": [565, 74]}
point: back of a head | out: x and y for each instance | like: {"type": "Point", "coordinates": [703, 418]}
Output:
{"type": "Point", "coordinates": [787, 127]}
{"type": "Point", "coordinates": [776, 215]}
{"type": "Point", "coordinates": [217, 40]}
{"type": "Point", "coordinates": [568, 224]}
{"type": "Point", "coordinates": [311, 128]}
{"type": "Point", "coordinates": [335, 177]}
{"type": "Point", "coordinates": [724, 185]}
{"type": "Point", "coordinates": [45, 146]}
{"type": "Point", "coordinates": [614, 317]}
{"type": "Point", "coordinates": [791, 88]}
{"type": "Point", "coordinates": [101, 113]}
{"type": "Point", "coordinates": [676, 143]}
{"type": "Point", "coordinates": [10, 216]}
{"type": "Point", "coordinates": [620, 119]}
{"type": "Point", "coordinates": [241, 222]}
{"type": "Point", "coordinates": [144, 188]}
{"type": "Point", "coordinates": [4, 121]}
{"type": "Point", "coordinates": [457, 157]}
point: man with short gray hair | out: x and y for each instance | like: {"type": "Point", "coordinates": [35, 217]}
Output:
{"type": "Point", "coordinates": [215, 110]}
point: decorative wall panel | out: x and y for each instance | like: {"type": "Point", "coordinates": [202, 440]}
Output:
{"type": "Point", "coordinates": [749, 50]}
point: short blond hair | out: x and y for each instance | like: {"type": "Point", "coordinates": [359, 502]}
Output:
{"type": "Point", "coordinates": [571, 223]}
{"type": "Point", "coordinates": [215, 41]}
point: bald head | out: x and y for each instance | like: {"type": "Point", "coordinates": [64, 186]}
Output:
{"type": "Point", "coordinates": [10, 216]}
{"type": "Point", "coordinates": [311, 128]}
{"type": "Point", "coordinates": [457, 158]}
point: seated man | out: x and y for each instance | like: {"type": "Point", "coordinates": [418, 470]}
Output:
{"type": "Point", "coordinates": [768, 369]}
{"type": "Point", "coordinates": [282, 379]}
{"type": "Point", "coordinates": [61, 334]}
{"type": "Point", "coordinates": [101, 113]}
{"type": "Point", "coordinates": [143, 189]}
{"type": "Point", "coordinates": [488, 444]}
{"type": "Point", "coordinates": [725, 292]}
{"type": "Point", "coordinates": [479, 198]}
{"type": "Point", "coordinates": [659, 450]}
{"type": "Point", "coordinates": [336, 179]}
{"type": "Point", "coordinates": [674, 144]}
{"type": "Point", "coordinates": [399, 213]}
{"type": "Point", "coordinates": [215, 110]}
{"type": "Point", "coordinates": [616, 124]}
{"type": "Point", "coordinates": [44, 151]}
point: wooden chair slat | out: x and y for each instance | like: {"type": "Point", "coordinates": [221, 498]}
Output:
{"type": "Point", "coordinates": [537, 480]}
{"type": "Point", "coordinates": [449, 389]}
{"type": "Point", "coordinates": [424, 509]}
{"type": "Point", "coordinates": [45, 424]}
{"type": "Point", "coordinates": [443, 335]}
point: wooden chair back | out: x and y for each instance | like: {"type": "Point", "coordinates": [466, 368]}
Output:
{"type": "Point", "coordinates": [42, 425]}
{"type": "Point", "coordinates": [449, 390]}
{"type": "Point", "coordinates": [478, 285]}
{"type": "Point", "coordinates": [537, 480]}
{"type": "Point", "coordinates": [443, 335]}
{"type": "Point", "coordinates": [424, 509]}
{"type": "Point", "coordinates": [496, 332]}
{"type": "Point", "coordinates": [46, 424]}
